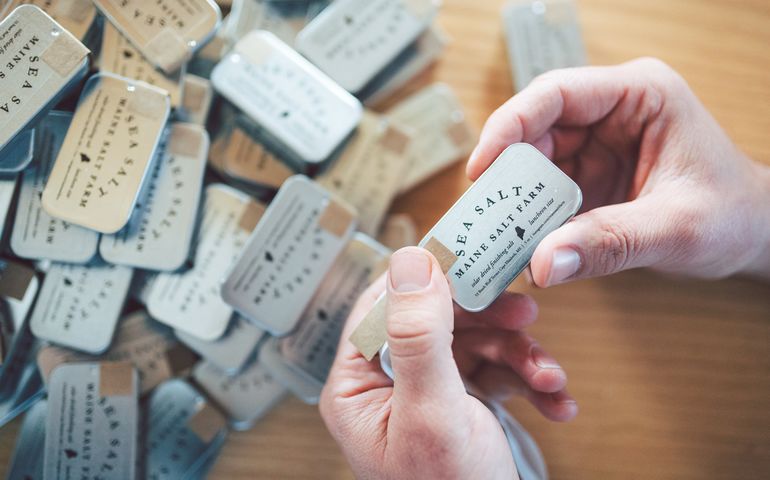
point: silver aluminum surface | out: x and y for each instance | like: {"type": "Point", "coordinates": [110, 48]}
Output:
{"type": "Point", "coordinates": [291, 249]}
{"type": "Point", "coordinates": [298, 383]}
{"type": "Point", "coordinates": [494, 228]}
{"type": "Point", "coordinates": [230, 352]}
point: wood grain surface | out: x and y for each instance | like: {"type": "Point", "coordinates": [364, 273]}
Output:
{"type": "Point", "coordinates": [672, 375]}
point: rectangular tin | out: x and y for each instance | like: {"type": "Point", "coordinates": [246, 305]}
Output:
{"type": "Point", "coordinates": [230, 352]}
{"type": "Point", "coordinates": [294, 244]}
{"type": "Point", "coordinates": [352, 41]}
{"type": "Point", "coordinates": [303, 111]}
{"type": "Point", "coordinates": [107, 152]}
{"type": "Point", "coordinates": [76, 16]}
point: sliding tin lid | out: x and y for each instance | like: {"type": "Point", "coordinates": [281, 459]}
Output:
{"type": "Point", "coordinates": [297, 104]}
{"type": "Point", "coordinates": [38, 60]}
{"type": "Point", "coordinates": [489, 235]}
{"type": "Point", "coordinates": [351, 41]}
{"type": "Point", "coordinates": [76, 16]}
{"type": "Point", "coordinates": [107, 152]}
{"type": "Point", "coordinates": [168, 32]}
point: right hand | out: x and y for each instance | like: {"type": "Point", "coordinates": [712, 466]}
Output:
{"type": "Point", "coordinates": [663, 185]}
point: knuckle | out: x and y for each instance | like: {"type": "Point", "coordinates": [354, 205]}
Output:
{"type": "Point", "coordinates": [616, 246]}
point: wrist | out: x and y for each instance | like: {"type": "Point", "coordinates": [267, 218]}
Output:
{"type": "Point", "coordinates": [759, 241]}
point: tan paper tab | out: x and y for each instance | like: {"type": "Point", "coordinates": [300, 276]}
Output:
{"type": "Point", "coordinates": [186, 142]}
{"type": "Point", "coordinates": [251, 215]}
{"type": "Point", "coordinates": [460, 134]}
{"type": "Point", "coordinates": [395, 140]}
{"type": "Point", "coordinates": [445, 257]}
{"type": "Point", "coordinates": [206, 423]}
{"type": "Point", "coordinates": [76, 10]}
{"type": "Point", "coordinates": [168, 49]}
{"type": "Point", "coordinates": [371, 334]}
{"type": "Point", "coordinates": [14, 279]}
{"type": "Point", "coordinates": [116, 379]}
{"type": "Point", "coordinates": [336, 218]}
{"type": "Point", "coordinates": [64, 55]}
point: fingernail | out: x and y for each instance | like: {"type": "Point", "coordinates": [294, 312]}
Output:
{"type": "Point", "coordinates": [542, 359]}
{"type": "Point", "coordinates": [410, 270]}
{"type": "Point", "coordinates": [563, 397]}
{"type": "Point", "coordinates": [474, 153]}
{"type": "Point", "coordinates": [564, 264]}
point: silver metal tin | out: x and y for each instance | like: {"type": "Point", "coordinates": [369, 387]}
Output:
{"type": "Point", "coordinates": [25, 463]}
{"type": "Point", "coordinates": [542, 35]}
{"type": "Point", "coordinates": [230, 352]}
{"type": "Point", "coordinates": [441, 134]}
{"type": "Point", "coordinates": [168, 32]}
{"type": "Point", "coordinates": [189, 301]}
{"type": "Point", "coordinates": [160, 232]}
{"type": "Point", "coordinates": [37, 235]}
{"type": "Point", "coordinates": [106, 153]}
{"type": "Point", "coordinates": [79, 305]}
{"type": "Point", "coordinates": [183, 432]}
{"type": "Point", "coordinates": [20, 382]}
{"type": "Point", "coordinates": [40, 62]}
{"type": "Point", "coordinates": [352, 41]}
{"type": "Point", "coordinates": [298, 383]}
{"type": "Point", "coordinates": [18, 154]}
{"type": "Point", "coordinates": [246, 397]}
{"type": "Point", "coordinates": [293, 246]}
{"type": "Point", "coordinates": [494, 228]}
{"type": "Point", "coordinates": [311, 348]}
{"type": "Point", "coordinates": [369, 171]}
{"type": "Point", "coordinates": [304, 111]}
{"type": "Point", "coordinates": [248, 15]}
{"type": "Point", "coordinates": [76, 16]}
{"type": "Point", "coordinates": [92, 422]}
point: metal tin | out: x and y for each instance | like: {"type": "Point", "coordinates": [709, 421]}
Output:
{"type": "Point", "coordinates": [352, 41]}
{"type": "Point", "coordinates": [422, 53]}
{"type": "Point", "coordinates": [76, 16]}
{"type": "Point", "coordinates": [183, 432]}
{"type": "Point", "coordinates": [168, 32]}
{"type": "Point", "coordinates": [40, 62]}
{"type": "Point", "coordinates": [18, 154]}
{"type": "Point", "coordinates": [119, 56]}
{"type": "Point", "coordinates": [311, 348]}
{"type": "Point", "coordinates": [441, 135]}
{"type": "Point", "coordinates": [92, 421]}
{"type": "Point", "coordinates": [189, 301]}
{"type": "Point", "coordinates": [398, 231]}
{"type": "Point", "coordinates": [245, 397]}
{"type": "Point", "coordinates": [37, 235]}
{"type": "Point", "coordinates": [293, 246]}
{"type": "Point", "coordinates": [149, 346]}
{"type": "Point", "coordinates": [298, 383]}
{"type": "Point", "coordinates": [25, 463]}
{"type": "Point", "coordinates": [79, 305]}
{"type": "Point", "coordinates": [160, 232]}
{"type": "Point", "coordinates": [7, 189]}
{"type": "Point", "coordinates": [107, 152]}
{"type": "Point", "coordinates": [369, 171]}
{"type": "Point", "coordinates": [248, 15]}
{"type": "Point", "coordinates": [18, 288]}
{"type": "Point", "coordinates": [494, 228]}
{"type": "Point", "coordinates": [20, 383]}
{"type": "Point", "coordinates": [542, 35]}
{"type": "Point", "coordinates": [196, 99]}
{"type": "Point", "coordinates": [230, 352]}
{"type": "Point", "coordinates": [304, 111]}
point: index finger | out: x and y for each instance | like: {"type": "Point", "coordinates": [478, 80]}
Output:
{"type": "Point", "coordinates": [567, 97]}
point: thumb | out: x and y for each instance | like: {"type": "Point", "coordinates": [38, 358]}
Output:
{"type": "Point", "coordinates": [639, 233]}
{"type": "Point", "coordinates": [420, 319]}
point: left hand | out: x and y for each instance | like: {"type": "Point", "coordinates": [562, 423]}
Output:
{"type": "Point", "coordinates": [426, 425]}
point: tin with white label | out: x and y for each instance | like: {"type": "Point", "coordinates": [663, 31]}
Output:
{"type": "Point", "coordinates": [542, 35]}
{"type": "Point", "coordinates": [232, 350]}
{"type": "Point", "coordinates": [37, 235]}
{"type": "Point", "coordinates": [369, 171]}
{"type": "Point", "coordinates": [246, 397]}
{"type": "Point", "coordinates": [25, 463]}
{"type": "Point", "coordinates": [107, 152]}
{"type": "Point", "coordinates": [119, 56]}
{"type": "Point", "coordinates": [491, 232]}
{"type": "Point", "coordinates": [304, 112]}
{"type": "Point", "coordinates": [189, 300]}
{"type": "Point", "coordinates": [92, 421]}
{"type": "Point", "coordinates": [293, 246]}
{"type": "Point", "coordinates": [166, 32]}
{"type": "Point", "coordinates": [352, 41]}
{"type": "Point", "coordinates": [79, 305]}
{"type": "Point", "coordinates": [183, 432]}
{"type": "Point", "coordinates": [160, 232]}
{"type": "Point", "coordinates": [76, 16]}
{"type": "Point", "coordinates": [441, 134]}
{"type": "Point", "coordinates": [39, 62]}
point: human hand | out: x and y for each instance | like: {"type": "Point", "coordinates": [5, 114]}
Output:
{"type": "Point", "coordinates": [426, 425]}
{"type": "Point", "coordinates": [663, 185]}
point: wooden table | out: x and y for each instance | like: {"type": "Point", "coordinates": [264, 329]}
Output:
{"type": "Point", "coordinates": [672, 375]}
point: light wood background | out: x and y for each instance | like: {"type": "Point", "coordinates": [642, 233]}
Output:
{"type": "Point", "coordinates": [672, 375]}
